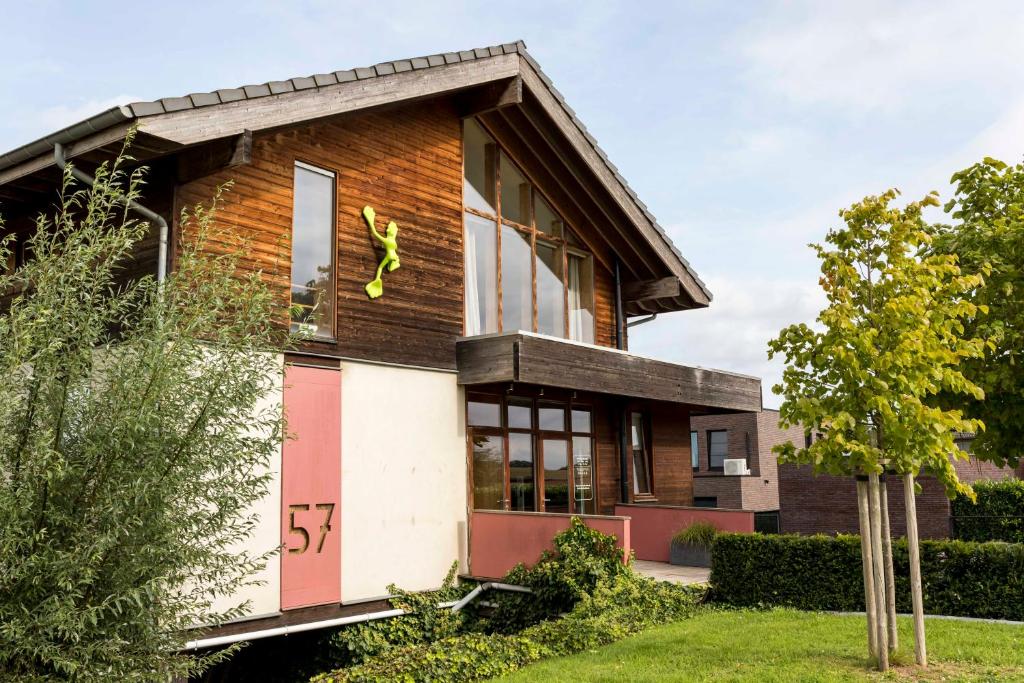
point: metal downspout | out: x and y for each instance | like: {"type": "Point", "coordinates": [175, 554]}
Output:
{"type": "Point", "coordinates": [161, 265]}
{"type": "Point", "coordinates": [620, 343]}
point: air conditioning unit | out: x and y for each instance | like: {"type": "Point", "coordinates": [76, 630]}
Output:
{"type": "Point", "coordinates": [735, 467]}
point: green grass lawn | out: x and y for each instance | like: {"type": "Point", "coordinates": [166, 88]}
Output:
{"type": "Point", "coordinates": [786, 645]}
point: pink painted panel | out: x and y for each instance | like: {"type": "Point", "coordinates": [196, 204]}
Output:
{"type": "Point", "coordinates": [501, 540]}
{"type": "Point", "coordinates": [654, 525]}
{"type": "Point", "coordinates": [311, 488]}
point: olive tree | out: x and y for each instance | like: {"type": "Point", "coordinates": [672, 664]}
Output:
{"type": "Point", "coordinates": [865, 378]}
{"type": "Point", "coordinates": [135, 434]}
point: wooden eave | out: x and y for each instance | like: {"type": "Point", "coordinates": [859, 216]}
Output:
{"type": "Point", "coordinates": [528, 358]}
{"type": "Point", "coordinates": [502, 83]}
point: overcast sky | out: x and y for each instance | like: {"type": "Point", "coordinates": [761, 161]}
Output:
{"type": "Point", "coordinates": [743, 126]}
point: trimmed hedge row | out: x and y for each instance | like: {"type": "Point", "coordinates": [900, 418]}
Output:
{"type": "Point", "coordinates": [997, 516]}
{"type": "Point", "coordinates": [824, 573]}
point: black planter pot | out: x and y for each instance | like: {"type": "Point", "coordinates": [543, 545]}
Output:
{"type": "Point", "coordinates": [689, 555]}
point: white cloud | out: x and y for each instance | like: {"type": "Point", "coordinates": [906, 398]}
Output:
{"type": "Point", "coordinates": [733, 333]}
{"type": "Point", "coordinates": [866, 56]}
{"type": "Point", "coordinates": [61, 115]}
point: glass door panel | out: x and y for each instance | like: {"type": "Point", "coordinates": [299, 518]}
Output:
{"type": "Point", "coordinates": [488, 472]}
{"type": "Point", "coordinates": [521, 476]}
{"type": "Point", "coordinates": [583, 475]}
{"type": "Point", "coordinates": [556, 475]}
{"type": "Point", "coordinates": [516, 281]}
{"type": "Point", "coordinates": [550, 291]}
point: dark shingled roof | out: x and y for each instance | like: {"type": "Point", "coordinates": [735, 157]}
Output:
{"type": "Point", "coordinates": [137, 110]}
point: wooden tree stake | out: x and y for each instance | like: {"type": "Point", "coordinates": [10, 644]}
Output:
{"type": "Point", "coordinates": [881, 630]}
{"type": "Point", "coordinates": [866, 564]}
{"type": "Point", "coordinates": [890, 578]}
{"type": "Point", "coordinates": [917, 598]}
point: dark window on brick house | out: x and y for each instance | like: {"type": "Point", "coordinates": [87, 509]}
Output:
{"type": "Point", "coordinates": [718, 448]}
{"type": "Point", "coordinates": [705, 501]}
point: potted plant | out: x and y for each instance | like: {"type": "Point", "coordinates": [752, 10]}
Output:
{"type": "Point", "coordinates": [692, 545]}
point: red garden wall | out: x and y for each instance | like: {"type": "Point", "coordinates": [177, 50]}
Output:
{"type": "Point", "coordinates": [653, 526]}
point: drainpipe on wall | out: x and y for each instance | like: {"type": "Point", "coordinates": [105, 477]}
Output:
{"type": "Point", "coordinates": [149, 214]}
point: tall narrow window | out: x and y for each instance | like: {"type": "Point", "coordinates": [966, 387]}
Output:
{"type": "Point", "coordinates": [550, 292]}
{"type": "Point", "coordinates": [641, 455]}
{"type": "Point", "coordinates": [479, 153]}
{"type": "Point", "coordinates": [481, 275]}
{"type": "Point", "coordinates": [694, 456]}
{"type": "Point", "coordinates": [581, 298]}
{"type": "Point", "coordinates": [516, 281]}
{"type": "Point", "coordinates": [718, 449]}
{"type": "Point", "coordinates": [313, 248]}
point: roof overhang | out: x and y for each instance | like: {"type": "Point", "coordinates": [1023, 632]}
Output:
{"type": "Point", "coordinates": [547, 361]}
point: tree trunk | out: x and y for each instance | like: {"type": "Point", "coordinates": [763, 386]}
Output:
{"type": "Point", "coordinates": [890, 578]}
{"type": "Point", "coordinates": [920, 648]}
{"type": "Point", "coordinates": [881, 629]}
{"type": "Point", "coordinates": [866, 564]}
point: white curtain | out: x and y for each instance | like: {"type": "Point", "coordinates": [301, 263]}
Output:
{"type": "Point", "coordinates": [575, 300]}
{"type": "Point", "coordinates": [472, 284]}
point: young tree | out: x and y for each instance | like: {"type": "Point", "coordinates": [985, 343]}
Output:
{"type": "Point", "coordinates": [134, 436]}
{"type": "Point", "coordinates": [987, 236]}
{"type": "Point", "coordinates": [890, 340]}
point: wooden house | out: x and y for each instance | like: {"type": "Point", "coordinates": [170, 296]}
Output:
{"type": "Point", "coordinates": [489, 392]}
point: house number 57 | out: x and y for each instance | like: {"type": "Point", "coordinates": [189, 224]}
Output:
{"type": "Point", "coordinates": [328, 510]}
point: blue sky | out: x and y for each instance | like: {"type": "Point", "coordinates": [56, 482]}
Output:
{"type": "Point", "coordinates": [744, 126]}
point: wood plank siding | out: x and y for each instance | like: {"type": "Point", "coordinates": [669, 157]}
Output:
{"type": "Point", "coordinates": [405, 162]}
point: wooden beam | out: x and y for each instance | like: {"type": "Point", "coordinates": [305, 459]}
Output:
{"type": "Point", "coordinates": [192, 126]}
{"type": "Point", "coordinates": [203, 160]}
{"type": "Point", "coordinates": [645, 290]}
{"type": "Point", "coordinates": [490, 97]}
{"type": "Point", "coordinates": [547, 362]}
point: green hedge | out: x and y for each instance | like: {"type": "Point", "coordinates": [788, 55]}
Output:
{"type": "Point", "coordinates": [997, 516]}
{"type": "Point", "coordinates": [824, 573]}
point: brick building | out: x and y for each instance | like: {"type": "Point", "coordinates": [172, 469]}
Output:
{"type": "Point", "coordinates": [742, 436]}
{"type": "Point", "coordinates": [827, 504]}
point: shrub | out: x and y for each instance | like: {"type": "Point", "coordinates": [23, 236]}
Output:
{"type": "Point", "coordinates": [581, 559]}
{"type": "Point", "coordinates": [824, 573]}
{"type": "Point", "coordinates": [700, 534]}
{"type": "Point", "coordinates": [998, 514]}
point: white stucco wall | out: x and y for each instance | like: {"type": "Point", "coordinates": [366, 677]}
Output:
{"type": "Point", "coordinates": [264, 599]}
{"type": "Point", "coordinates": [403, 478]}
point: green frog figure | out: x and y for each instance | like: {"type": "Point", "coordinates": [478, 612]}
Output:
{"type": "Point", "coordinates": [390, 261]}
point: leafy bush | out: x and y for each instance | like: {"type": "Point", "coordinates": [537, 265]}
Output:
{"type": "Point", "coordinates": [585, 574]}
{"type": "Point", "coordinates": [998, 514]}
{"type": "Point", "coordinates": [582, 558]}
{"type": "Point", "coordinates": [824, 573]}
{"type": "Point", "coordinates": [619, 607]}
{"type": "Point", "coordinates": [700, 534]}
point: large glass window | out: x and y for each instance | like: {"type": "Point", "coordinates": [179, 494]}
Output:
{"type": "Point", "coordinates": [718, 449]}
{"type": "Point", "coordinates": [641, 454]}
{"type": "Point", "coordinates": [694, 456]}
{"type": "Point", "coordinates": [550, 461]}
{"type": "Point", "coordinates": [542, 279]}
{"type": "Point", "coordinates": [313, 247]}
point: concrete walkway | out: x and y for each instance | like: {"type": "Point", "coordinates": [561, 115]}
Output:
{"type": "Point", "coordinates": [663, 571]}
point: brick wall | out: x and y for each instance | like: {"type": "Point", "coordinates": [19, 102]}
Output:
{"type": "Point", "coordinates": [751, 437]}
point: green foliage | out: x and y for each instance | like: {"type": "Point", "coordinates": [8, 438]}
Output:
{"type": "Point", "coordinates": [700, 534]}
{"type": "Point", "coordinates": [134, 437]}
{"type": "Point", "coordinates": [425, 623]}
{"type": "Point", "coordinates": [824, 573]}
{"type": "Point", "coordinates": [619, 606]}
{"type": "Point", "coordinates": [987, 237]}
{"type": "Point", "coordinates": [582, 558]}
{"type": "Point", "coordinates": [890, 339]}
{"type": "Point", "coordinates": [997, 515]}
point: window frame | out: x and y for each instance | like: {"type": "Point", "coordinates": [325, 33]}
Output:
{"type": "Point", "coordinates": [562, 244]}
{"type": "Point", "coordinates": [711, 466]}
{"type": "Point", "coordinates": [647, 434]}
{"type": "Point", "coordinates": [537, 435]}
{"type": "Point", "coordinates": [334, 174]}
